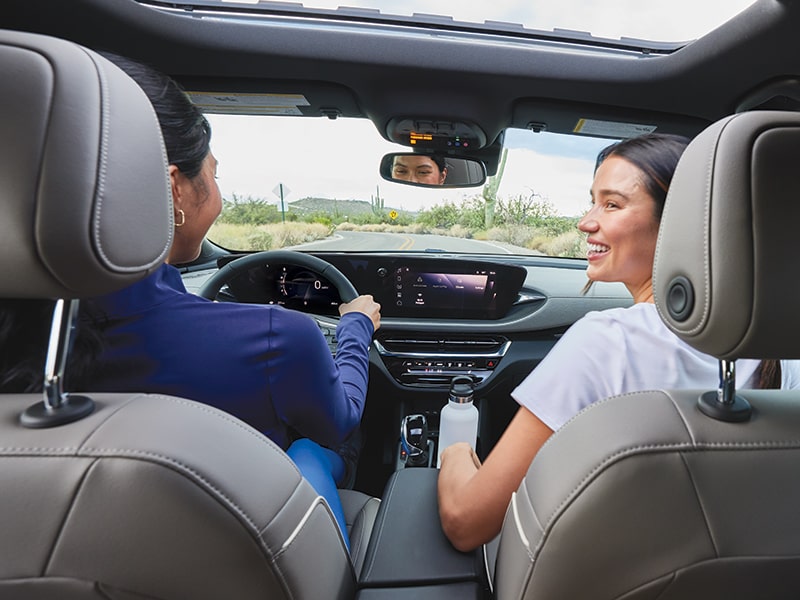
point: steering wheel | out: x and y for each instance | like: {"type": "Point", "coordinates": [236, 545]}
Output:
{"type": "Point", "coordinates": [212, 286]}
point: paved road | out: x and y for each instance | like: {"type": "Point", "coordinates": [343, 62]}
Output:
{"type": "Point", "coordinates": [359, 241]}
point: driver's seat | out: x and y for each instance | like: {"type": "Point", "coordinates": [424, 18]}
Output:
{"type": "Point", "coordinates": [125, 496]}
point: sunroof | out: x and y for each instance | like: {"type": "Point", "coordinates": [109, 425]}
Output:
{"type": "Point", "coordinates": [664, 21]}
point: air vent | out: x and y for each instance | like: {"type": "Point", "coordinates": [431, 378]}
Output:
{"type": "Point", "coordinates": [432, 361]}
{"type": "Point", "coordinates": [473, 345]}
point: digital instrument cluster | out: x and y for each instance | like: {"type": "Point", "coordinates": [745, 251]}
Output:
{"type": "Point", "coordinates": [412, 287]}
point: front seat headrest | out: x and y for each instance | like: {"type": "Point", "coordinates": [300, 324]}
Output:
{"type": "Point", "coordinates": [86, 197]}
{"type": "Point", "coordinates": [725, 279]}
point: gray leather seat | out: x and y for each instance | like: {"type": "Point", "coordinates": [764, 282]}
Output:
{"type": "Point", "coordinates": [644, 496]}
{"type": "Point", "coordinates": [148, 496]}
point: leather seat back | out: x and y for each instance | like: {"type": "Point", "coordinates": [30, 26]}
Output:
{"type": "Point", "coordinates": [148, 496]}
{"type": "Point", "coordinates": [643, 496]}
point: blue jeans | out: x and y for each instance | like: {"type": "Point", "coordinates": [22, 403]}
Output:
{"type": "Point", "coordinates": [322, 468]}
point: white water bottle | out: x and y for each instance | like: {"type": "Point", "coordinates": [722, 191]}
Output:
{"type": "Point", "coordinates": [458, 421]}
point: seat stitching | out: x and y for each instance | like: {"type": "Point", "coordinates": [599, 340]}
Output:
{"type": "Point", "coordinates": [681, 416]}
{"type": "Point", "coordinates": [68, 510]}
{"type": "Point", "coordinates": [318, 501]}
{"type": "Point", "coordinates": [379, 525]}
{"type": "Point", "coordinates": [85, 449]}
{"type": "Point", "coordinates": [180, 467]}
{"type": "Point", "coordinates": [597, 404]}
{"type": "Point", "coordinates": [656, 448]}
{"type": "Point", "coordinates": [718, 446]}
{"type": "Point", "coordinates": [362, 534]}
{"type": "Point", "coordinates": [100, 191]}
{"type": "Point", "coordinates": [703, 511]}
{"type": "Point", "coordinates": [210, 411]}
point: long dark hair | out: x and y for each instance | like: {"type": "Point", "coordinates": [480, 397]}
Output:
{"type": "Point", "coordinates": [23, 330]}
{"type": "Point", "coordinates": [769, 375]}
{"type": "Point", "coordinates": [186, 132]}
{"type": "Point", "coordinates": [24, 333]}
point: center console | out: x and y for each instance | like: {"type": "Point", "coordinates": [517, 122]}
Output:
{"type": "Point", "coordinates": [409, 555]}
{"type": "Point", "coordinates": [408, 551]}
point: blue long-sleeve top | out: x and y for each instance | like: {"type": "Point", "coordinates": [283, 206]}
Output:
{"type": "Point", "coordinates": [267, 365]}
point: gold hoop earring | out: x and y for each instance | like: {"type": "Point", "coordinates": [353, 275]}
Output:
{"type": "Point", "coordinates": [183, 218]}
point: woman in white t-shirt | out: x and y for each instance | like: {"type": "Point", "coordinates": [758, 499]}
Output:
{"type": "Point", "coordinates": [603, 354]}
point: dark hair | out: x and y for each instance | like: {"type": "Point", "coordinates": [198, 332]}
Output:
{"type": "Point", "coordinates": [656, 155]}
{"type": "Point", "coordinates": [440, 161]}
{"type": "Point", "coordinates": [24, 333]}
{"type": "Point", "coordinates": [769, 375]}
{"type": "Point", "coordinates": [186, 132]}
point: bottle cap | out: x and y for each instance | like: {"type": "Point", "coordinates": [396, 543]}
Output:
{"type": "Point", "coordinates": [461, 389]}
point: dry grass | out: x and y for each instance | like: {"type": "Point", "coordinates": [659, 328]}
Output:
{"type": "Point", "coordinates": [267, 237]}
{"type": "Point", "coordinates": [571, 245]}
{"type": "Point", "coordinates": [282, 235]}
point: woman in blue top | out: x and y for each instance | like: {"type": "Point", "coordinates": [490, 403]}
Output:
{"type": "Point", "coordinates": [269, 366]}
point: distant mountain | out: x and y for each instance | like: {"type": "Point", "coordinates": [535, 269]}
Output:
{"type": "Point", "coordinates": [342, 208]}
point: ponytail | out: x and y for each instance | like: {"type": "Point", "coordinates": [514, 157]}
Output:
{"type": "Point", "coordinates": [769, 375]}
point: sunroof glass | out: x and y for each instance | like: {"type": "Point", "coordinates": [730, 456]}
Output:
{"type": "Point", "coordinates": [655, 20]}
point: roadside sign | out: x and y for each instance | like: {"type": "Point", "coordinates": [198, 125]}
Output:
{"type": "Point", "coordinates": [281, 191]}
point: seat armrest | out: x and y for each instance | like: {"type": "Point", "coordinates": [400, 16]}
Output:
{"type": "Point", "coordinates": [408, 546]}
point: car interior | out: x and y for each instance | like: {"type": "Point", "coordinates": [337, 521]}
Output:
{"type": "Point", "coordinates": [659, 494]}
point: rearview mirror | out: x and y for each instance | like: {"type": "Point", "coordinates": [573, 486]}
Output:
{"type": "Point", "coordinates": [432, 170]}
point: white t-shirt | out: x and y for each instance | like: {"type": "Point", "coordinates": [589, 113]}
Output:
{"type": "Point", "coordinates": [623, 350]}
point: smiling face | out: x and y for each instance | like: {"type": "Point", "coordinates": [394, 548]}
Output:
{"type": "Point", "coordinates": [621, 228]}
{"type": "Point", "coordinates": [417, 169]}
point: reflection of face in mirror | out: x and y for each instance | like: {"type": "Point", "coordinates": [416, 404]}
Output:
{"type": "Point", "coordinates": [431, 170]}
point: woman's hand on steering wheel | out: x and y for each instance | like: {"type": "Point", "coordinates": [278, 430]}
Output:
{"type": "Point", "coordinates": [365, 305]}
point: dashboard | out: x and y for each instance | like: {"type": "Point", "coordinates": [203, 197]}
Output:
{"type": "Point", "coordinates": [406, 287]}
{"type": "Point", "coordinates": [490, 317]}
{"type": "Point", "coordinates": [441, 316]}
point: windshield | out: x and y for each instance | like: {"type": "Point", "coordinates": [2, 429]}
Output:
{"type": "Point", "coordinates": [315, 184]}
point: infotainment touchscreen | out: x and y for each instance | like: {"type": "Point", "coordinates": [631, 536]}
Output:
{"type": "Point", "coordinates": [444, 290]}
{"type": "Point", "coordinates": [450, 289]}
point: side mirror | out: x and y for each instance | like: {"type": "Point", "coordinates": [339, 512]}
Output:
{"type": "Point", "coordinates": [432, 170]}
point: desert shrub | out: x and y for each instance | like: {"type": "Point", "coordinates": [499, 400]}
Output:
{"type": "Point", "coordinates": [248, 211]}
{"type": "Point", "coordinates": [266, 237]}
{"type": "Point", "coordinates": [571, 244]}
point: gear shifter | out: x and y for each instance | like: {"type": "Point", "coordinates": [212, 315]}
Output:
{"type": "Point", "coordinates": [414, 440]}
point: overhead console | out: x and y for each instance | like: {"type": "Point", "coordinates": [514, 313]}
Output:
{"type": "Point", "coordinates": [435, 134]}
